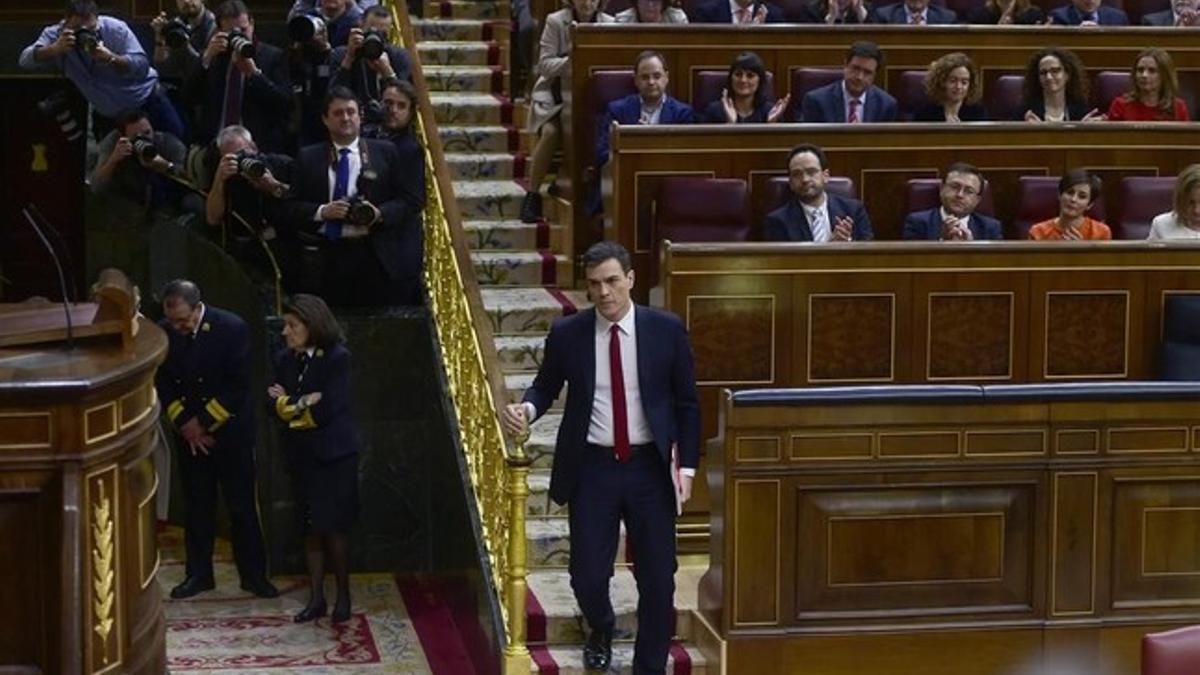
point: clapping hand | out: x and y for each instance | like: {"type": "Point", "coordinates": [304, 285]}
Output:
{"type": "Point", "coordinates": [843, 229]}
{"type": "Point", "coordinates": [1094, 115]}
{"type": "Point", "coordinates": [760, 14]}
{"type": "Point", "coordinates": [955, 229]}
{"type": "Point", "coordinates": [728, 107]}
{"type": "Point", "coordinates": [779, 108]}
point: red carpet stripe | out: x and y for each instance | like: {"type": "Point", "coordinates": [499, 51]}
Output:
{"type": "Point", "coordinates": [514, 139]}
{"type": "Point", "coordinates": [446, 10]}
{"type": "Point", "coordinates": [544, 662]}
{"type": "Point", "coordinates": [519, 162]}
{"type": "Point", "coordinates": [486, 35]}
{"type": "Point", "coordinates": [497, 80]}
{"type": "Point", "coordinates": [683, 662]}
{"type": "Point", "coordinates": [535, 618]}
{"type": "Point", "coordinates": [444, 649]}
{"type": "Point", "coordinates": [493, 54]}
{"type": "Point", "coordinates": [506, 109]}
{"type": "Point", "coordinates": [543, 234]}
{"type": "Point", "coordinates": [568, 307]}
{"type": "Point", "coordinates": [549, 268]}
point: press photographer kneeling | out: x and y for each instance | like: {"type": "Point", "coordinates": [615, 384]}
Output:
{"type": "Point", "coordinates": [134, 161]}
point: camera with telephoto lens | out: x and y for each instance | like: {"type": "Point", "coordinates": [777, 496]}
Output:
{"type": "Point", "coordinates": [250, 165]}
{"type": "Point", "coordinates": [144, 148]}
{"type": "Point", "coordinates": [58, 106]}
{"type": "Point", "coordinates": [176, 33]}
{"type": "Point", "coordinates": [86, 40]}
{"type": "Point", "coordinates": [372, 44]}
{"type": "Point", "coordinates": [240, 44]}
{"type": "Point", "coordinates": [371, 112]}
{"type": "Point", "coordinates": [361, 211]}
{"type": "Point", "coordinates": [305, 27]}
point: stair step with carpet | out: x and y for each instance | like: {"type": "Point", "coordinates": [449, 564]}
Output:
{"type": "Point", "coordinates": [529, 311]}
{"type": "Point", "coordinates": [486, 79]}
{"type": "Point", "coordinates": [473, 138]}
{"type": "Point", "coordinates": [466, 9]}
{"type": "Point", "coordinates": [489, 199]}
{"type": "Point", "coordinates": [461, 29]}
{"type": "Point", "coordinates": [465, 166]}
{"type": "Point", "coordinates": [549, 546]}
{"type": "Point", "coordinates": [475, 108]}
{"type": "Point", "coordinates": [520, 352]}
{"type": "Point", "coordinates": [568, 660]}
{"type": "Point", "coordinates": [542, 435]}
{"type": "Point", "coordinates": [462, 53]}
{"type": "Point", "coordinates": [539, 503]}
{"type": "Point", "coordinates": [520, 268]}
{"type": "Point", "coordinates": [507, 235]}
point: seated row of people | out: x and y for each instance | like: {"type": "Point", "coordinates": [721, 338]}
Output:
{"type": "Point", "coordinates": [812, 213]}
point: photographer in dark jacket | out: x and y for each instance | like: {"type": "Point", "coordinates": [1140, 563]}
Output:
{"type": "Point", "coordinates": [399, 106]}
{"type": "Point", "coordinates": [179, 40]}
{"type": "Point", "coordinates": [134, 161]}
{"type": "Point", "coordinates": [361, 65]}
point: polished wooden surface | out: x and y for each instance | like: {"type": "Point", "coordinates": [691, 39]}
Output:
{"type": "Point", "coordinates": [77, 430]}
{"type": "Point", "coordinates": [952, 537]}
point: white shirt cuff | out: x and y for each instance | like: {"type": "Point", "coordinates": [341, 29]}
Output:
{"type": "Point", "coordinates": [530, 412]}
{"type": "Point", "coordinates": [687, 471]}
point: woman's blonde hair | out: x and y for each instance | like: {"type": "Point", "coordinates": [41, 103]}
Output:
{"type": "Point", "coordinates": [939, 71]}
{"type": "Point", "coordinates": [1188, 180]}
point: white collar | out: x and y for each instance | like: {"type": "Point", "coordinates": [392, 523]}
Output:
{"type": "Point", "coordinates": [352, 146]}
{"type": "Point", "coordinates": [862, 98]}
{"type": "Point", "coordinates": [810, 210]}
{"type": "Point", "coordinates": [626, 323]}
{"type": "Point", "coordinates": [200, 321]}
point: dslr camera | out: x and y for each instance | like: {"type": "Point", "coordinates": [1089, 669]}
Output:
{"type": "Point", "coordinates": [58, 106]}
{"type": "Point", "coordinates": [304, 28]}
{"type": "Point", "coordinates": [361, 211]}
{"type": "Point", "coordinates": [240, 44]}
{"type": "Point", "coordinates": [144, 148]}
{"type": "Point", "coordinates": [250, 165]}
{"type": "Point", "coordinates": [86, 40]}
{"type": "Point", "coordinates": [176, 33]}
{"type": "Point", "coordinates": [373, 43]}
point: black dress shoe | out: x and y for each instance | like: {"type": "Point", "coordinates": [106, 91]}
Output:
{"type": "Point", "coordinates": [311, 612]}
{"type": "Point", "coordinates": [597, 653]}
{"type": "Point", "coordinates": [531, 208]}
{"type": "Point", "coordinates": [341, 612]}
{"type": "Point", "coordinates": [261, 587]}
{"type": "Point", "coordinates": [191, 586]}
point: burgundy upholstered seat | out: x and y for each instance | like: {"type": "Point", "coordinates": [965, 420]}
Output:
{"type": "Point", "coordinates": [1173, 652]}
{"type": "Point", "coordinates": [1037, 200]}
{"type": "Point", "coordinates": [924, 193]}
{"type": "Point", "coordinates": [702, 209]}
{"type": "Point", "coordinates": [1142, 198]}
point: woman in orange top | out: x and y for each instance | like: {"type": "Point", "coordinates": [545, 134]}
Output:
{"type": "Point", "coordinates": [1077, 191]}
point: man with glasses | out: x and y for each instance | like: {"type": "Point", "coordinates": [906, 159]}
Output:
{"type": "Point", "coordinates": [854, 98]}
{"type": "Point", "coordinates": [955, 219]}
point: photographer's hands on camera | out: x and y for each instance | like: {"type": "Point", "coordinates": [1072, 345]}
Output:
{"type": "Point", "coordinates": [218, 45]}
{"type": "Point", "coordinates": [230, 166]}
{"type": "Point", "coordinates": [124, 148]}
{"type": "Point", "coordinates": [340, 210]}
{"type": "Point", "coordinates": [380, 64]}
{"type": "Point", "coordinates": [67, 41]}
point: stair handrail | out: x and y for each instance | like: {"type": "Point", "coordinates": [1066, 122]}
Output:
{"type": "Point", "coordinates": [499, 471]}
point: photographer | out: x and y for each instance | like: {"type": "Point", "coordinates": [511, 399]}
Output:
{"type": "Point", "coordinates": [362, 66]}
{"type": "Point", "coordinates": [356, 215]}
{"type": "Point", "coordinates": [178, 41]}
{"type": "Point", "coordinates": [101, 56]}
{"type": "Point", "coordinates": [338, 17]}
{"type": "Point", "coordinates": [399, 106]}
{"type": "Point", "coordinates": [134, 161]}
{"type": "Point", "coordinates": [244, 82]}
{"type": "Point", "coordinates": [310, 69]}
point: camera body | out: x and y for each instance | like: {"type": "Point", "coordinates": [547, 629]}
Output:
{"type": "Point", "coordinates": [304, 28]}
{"type": "Point", "coordinates": [241, 45]}
{"type": "Point", "coordinates": [176, 33]}
{"type": "Point", "coordinates": [373, 44]}
{"type": "Point", "coordinates": [250, 165]}
{"type": "Point", "coordinates": [361, 211]}
{"type": "Point", "coordinates": [86, 40]}
{"type": "Point", "coordinates": [372, 112]}
{"type": "Point", "coordinates": [144, 147]}
{"type": "Point", "coordinates": [58, 106]}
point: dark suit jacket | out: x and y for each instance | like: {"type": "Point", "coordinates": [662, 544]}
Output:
{"type": "Point", "coordinates": [814, 12]}
{"type": "Point", "coordinates": [1068, 15]}
{"type": "Point", "coordinates": [717, 11]}
{"type": "Point", "coordinates": [666, 377]}
{"type": "Point", "coordinates": [894, 13]}
{"type": "Point", "coordinates": [360, 78]}
{"type": "Point", "coordinates": [828, 104]}
{"type": "Point", "coordinates": [788, 222]}
{"type": "Point", "coordinates": [984, 15]}
{"type": "Point", "coordinates": [934, 112]}
{"type": "Point", "coordinates": [928, 225]}
{"type": "Point", "coordinates": [628, 110]}
{"type": "Point", "coordinates": [396, 238]}
{"type": "Point", "coordinates": [332, 434]}
{"type": "Point", "coordinates": [1163, 18]}
{"type": "Point", "coordinates": [208, 378]}
{"type": "Point", "coordinates": [266, 99]}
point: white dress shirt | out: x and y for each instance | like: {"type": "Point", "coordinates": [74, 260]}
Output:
{"type": "Point", "coordinates": [735, 9]}
{"type": "Point", "coordinates": [348, 229]}
{"type": "Point", "coordinates": [818, 220]}
{"type": "Point", "coordinates": [600, 429]}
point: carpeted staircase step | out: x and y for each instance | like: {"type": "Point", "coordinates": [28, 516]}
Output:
{"type": "Point", "coordinates": [549, 544]}
{"type": "Point", "coordinates": [462, 53]}
{"type": "Point", "coordinates": [484, 138]}
{"type": "Point", "coordinates": [489, 199]}
{"type": "Point", "coordinates": [487, 79]}
{"type": "Point", "coordinates": [462, 29]}
{"type": "Point", "coordinates": [529, 311]}
{"type": "Point", "coordinates": [539, 503]}
{"type": "Point", "coordinates": [540, 446]}
{"type": "Point", "coordinates": [568, 660]}
{"type": "Point", "coordinates": [485, 165]}
{"type": "Point", "coordinates": [520, 268]}
{"type": "Point", "coordinates": [520, 352]}
{"type": "Point", "coordinates": [451, 107]}
{"type": "Point", "coordinates": [466, 9]}
{"type": "Point", "coordinates": [509, 235]}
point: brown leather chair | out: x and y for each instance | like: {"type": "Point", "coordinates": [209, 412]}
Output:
{"type": "Point", "coordinates": [707, 86]}
{"type": "Point", "coordinates": [776, 192]}
{"type": "Point", "coordinates": [702, 209]}
{"type": "Point", "coordinates": [910, 93]}
{"type": "Point", "coordinates": [924, 193]}
{"type": "Point", "coordinates": [1003, 98]}
{"type": "Point", "coordinates": [1173, 652]}
{"type": "Point", "coordinates": [1037, 200]}
{"type": "Point", "coordinates": [1109, 84]}
{"type": "Point", "coordinates": [1142, 198]}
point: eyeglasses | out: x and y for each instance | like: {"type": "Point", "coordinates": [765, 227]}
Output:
{"type": "Point", "coordinates": [1054, 70]}
{"type": "Point", "coordinates": [959, 188]}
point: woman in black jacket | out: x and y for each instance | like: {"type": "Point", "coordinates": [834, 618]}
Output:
{"type": "Point", "coordinates": [745, 98]}
{"type": "Point", "coordinates": [1056, 88]}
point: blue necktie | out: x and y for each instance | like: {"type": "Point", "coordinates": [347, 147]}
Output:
{"type": "Point", "coordinates": [341, 185]}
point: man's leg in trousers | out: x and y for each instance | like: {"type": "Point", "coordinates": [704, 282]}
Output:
{"type": "Point", "coordinates": [649, 512]}
{"type": "Point", "coordinates": [200, 510]}
{"type": "Point", "coordinates": [594, 517]}
{"type": "Point", "coordinates": [235, 471]}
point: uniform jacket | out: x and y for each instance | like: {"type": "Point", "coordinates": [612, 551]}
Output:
{"type": "Point", "coordinates": [325, 430]}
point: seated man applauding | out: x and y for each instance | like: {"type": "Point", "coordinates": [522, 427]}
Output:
{"type": "Point", "coordinates": [812, 214]}
{"type": "Point", "coordinates": [955, 219]}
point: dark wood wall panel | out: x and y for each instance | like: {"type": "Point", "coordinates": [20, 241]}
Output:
{"type": "Point", "coordinates": [1157, 517]}
{"type": "Point", "coordinates": [1073, 563]}
{"type": "Point", "coordinates": [756, 593]}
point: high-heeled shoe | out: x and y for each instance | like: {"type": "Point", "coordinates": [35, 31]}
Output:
{"type": "Point", "coordinates": [341, 612]}
{"type": "Point", "coordinates": [311, 612]}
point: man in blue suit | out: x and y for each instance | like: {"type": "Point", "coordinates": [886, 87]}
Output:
{"type": "Point", "coordinates": [1088, 13]}
{"type": "Point", "coordinates": [854, 98]}
{"type": "Point", "coordinates": [748, 12]}
{"type": "Point", "coordinates": [631, 410]}
{"type": "Point", "coordinates": [913, 13]}
{"type": "Point", "coordinates": [812, 214]}
{"type": "Point", "coordinates": [955, 219]}
{"type": "Point", "coordinates": [651, 105]}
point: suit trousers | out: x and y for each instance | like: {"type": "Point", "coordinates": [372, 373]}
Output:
{"type": "Point", "coordinates": [232, 468]}
{"type": "Point", "coordinates": [640, 493]}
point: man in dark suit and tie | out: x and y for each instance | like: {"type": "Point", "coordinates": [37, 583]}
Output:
{"type": "Point", "coordinates": [204, 385]}
{"type": "Point", "coordinates": [233, 88]}
{"type": "Point", "coordinates": [631, 406]}
{"type": "Point", "coordinates": [650, 105]}
{"type": "Point", "coordinates": [913, 13]}
{"type": "Point", "coordinates": [1181, 13]}
{"type": "Point", "coordinates": [1088, 13]}
{"type": "Point", "coordinates": [854, 98]}
{"type": "Point", "coordinates": [747, 12]}
{"type": "Point", "coordinates": [352, 205]}
{"type": "Point", "coordinates": [812, 214]}
{"type": "Point", "coordinates": [955, 219]}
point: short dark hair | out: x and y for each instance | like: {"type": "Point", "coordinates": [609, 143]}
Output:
{"type": "Point", "coordinates": [865, 49]}
{"type": "Point", "coordinates": [323, 328]}
{"type": "Point", "coordinates": [405, 87]}
{"type": "Point", "coordinates": [231, 9]}
{"type": "Point", "coordinates": [963, 167]}
{"type": "Point", "coordinates": [338, 93]}
{"type": "Point", "coordinates": [1081, 177]}
{"type": "Point", "coordinates": [607, 250]}
{"type": "Point", "coordinates": [809, 147]}
{"type": "Point", "coordinates": [83, 8]}
{"type": "Point", "coordinates": [649, 54]}
{"type": "Point", "coordinates": [181, 290]}
{"type": "Point", "coordinates": [377, 10]}
{"type": "Point", "coordinates": [128, 117]}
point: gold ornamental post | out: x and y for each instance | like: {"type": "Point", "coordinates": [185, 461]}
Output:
{"type": "Point", "coordinates": [516, 653]}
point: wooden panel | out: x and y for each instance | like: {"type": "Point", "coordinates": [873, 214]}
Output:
{"type": "Point", "coordinates": [757, 449]}
{"type": "Point", "coordinates": [951, 561]}
{"type": "Point", "coordinates": [1155, 564]}
{"type": "Point", "coordinates": [831, 446]}
{"type": "Point", "coordinates": [1077, 441]}
{"type": "Point", "coordinates": [911, 444]}
{"type": "Point", "coordinates": [100, 422]}
{"type": "Point", "coordinates": [970, 336]}
{"type": "Point", "coordinates": [136, 405]}
{"type": "Point", "coordinates": [102, 572]}
{"type": "Point", "coordinates": [1143, 439]}
{"type": "Point", "coordinates": [24, 593]}
{"type": "Point", "coordinates": [756, 550]}
{"type": "Point", "coordinates": [24, 430]}
{"type": "Point", "coordinates": [1073, 544]}
{"type": "Point", "coordinates": [1013, 442]}
{"type": "Point", "coordinates": [1087, 334]}
{"type": "Point", "coordinates": [851, 338]}
{"type": "Point", "coordinates": [749, 322]}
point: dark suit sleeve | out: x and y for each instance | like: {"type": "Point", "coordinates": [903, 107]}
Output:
{"type": "Point", "coordinates": [401, 63]}
{"type": "Point", "coordinates": [606, 121]}
{"type": "Point", "coordinates": [686, 114]}
{"type": "Point", "coordinates": [687, 404]}
{"type": "Point", "coordinates": [774, 14]}
{"type": "Point", "coordinates": [335, 396]}
{"type": "Point", "coordinates": [229, 400]}
{"type": "Point", "coordinates": [914, 227]}
{"type": "Point", "coordinates": [298, 210]}
{"type": "Point", "coordinates": [774, 229]}
{"type": "Point", "coordinates": [551, 375]}
{"type": "Point", "coordinates": [890, 110]}
{"type": "Point", "coordinates": [403, 202]}
{"type": "Point", "coordinates": [810, 109]}
{"type": "Point", "coordinates": [704, 13]}
{"type": "Point", "coordinates": [1059, 17]}
{"type": "Point", "coordinates": [862, 223]}
{"type": "Point", "coordinates": [170, 393]}
{"type": "Point", "coordinates": [272, 88]}
{"type": "Point", "coordinates": [991, 228]}
{"type": "Point", "coordinates": [342, 77]}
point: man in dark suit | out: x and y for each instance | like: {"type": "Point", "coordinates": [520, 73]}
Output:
{"type": "Point", "coordinates": [651, 105]}
{"type": "Point", "coordinates": [812, 214]}
{"type": "Point", "coordinates": [364, 75]}
{"type": "Point", "coordinates": [955, 219]}
{"type": "Point", "coordinates": [204, 384]}
{"type": "Point", "coordinates": [253, 91]}
{"type": "Point", "coordinates": [1181, 13]}
{"type": "Point", "coordinates": [855, 98]}
{"type": "Point", "coordinates": [353, 208]}
{"type": "Point", "coordinates": [748, 12]}
{"type": "Point", "coordinates": [1088, 13]}
{"type": "Point", "coordinates": [631, 407]}
{"type": "Point", "coordinates": [913, 13]}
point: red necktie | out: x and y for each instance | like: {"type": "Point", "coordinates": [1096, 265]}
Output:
{"type": "Point", "coordinates": [743, 15]}
{"type": "Point", "coordinates": [853, 118]}
{"type": "Point", "coordinates": [617, 377]}
{"type": "Point", "coordinates": [233, 96]}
